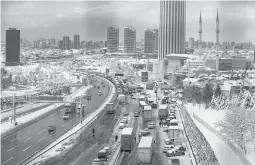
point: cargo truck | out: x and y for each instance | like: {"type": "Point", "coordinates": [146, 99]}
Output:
{"type": "Point", "coordinates": [163, 111]}
{"type": "Point", "coordinates": [145, 150]}
{"type": "Point", "coordinates": [70, 107]}
{"type": "Point", "coordinates": [110, 108]}
{"type": "Point", "coordinates": [122, 98]}
{"type": "Point", "coordinates": [147, 113]}
{"type": "Point", "coordinates": [127, 139]}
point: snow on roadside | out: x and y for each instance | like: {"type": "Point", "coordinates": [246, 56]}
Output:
{"type": "Point", "coordinates": [211, 116]}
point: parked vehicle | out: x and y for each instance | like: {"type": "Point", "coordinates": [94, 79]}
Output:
{"type": "Point", "coordinates": [145, 150]}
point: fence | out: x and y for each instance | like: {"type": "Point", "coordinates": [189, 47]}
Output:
{"type": "Point", "coordinates": [237, 151]}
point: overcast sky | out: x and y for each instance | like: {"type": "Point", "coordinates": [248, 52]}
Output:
{"type": "Point", "coordinates": [90, 18]}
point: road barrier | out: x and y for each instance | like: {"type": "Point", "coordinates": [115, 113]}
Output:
{"type": "Point", "coordinates": [236, 150]}
{"type": "Point", "coordinates": [34, 156]}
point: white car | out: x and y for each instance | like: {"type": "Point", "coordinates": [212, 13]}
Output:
{"type": "Point", "coordinates": [167, 147]}
{"type": "Point", "coordinates": [151, 125]}
{"type": "Point", "coordinates": [121, 126]}
{"type": "Point", "coordinates": [65, 117]}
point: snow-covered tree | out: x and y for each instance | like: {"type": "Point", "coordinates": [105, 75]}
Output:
{"type": "Point", "coordinates": [236, 125]}
{"type": "Point", "coordinates": [217, 91]}
{"type": "Point", "coordinates": [207, 94]}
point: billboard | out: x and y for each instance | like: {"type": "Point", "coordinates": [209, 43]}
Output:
{"type": "Point", "coordinates": [107, 70]}
{"type": "Point", "coordinates": [145, 76]}
{"type": "Point", "coordinates": [50, 98]}
{"type": "Point", "coordinates": [149, 86]}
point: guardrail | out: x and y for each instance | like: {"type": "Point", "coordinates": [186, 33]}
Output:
{"type": "Point", "coordinates": [194, 160]}
{"type": "Point", "coordinates": [115, 154]}
{"type": "Point", "coordinates": [237, 151]}
{"type": "Point", "coordinates": [86, 125]}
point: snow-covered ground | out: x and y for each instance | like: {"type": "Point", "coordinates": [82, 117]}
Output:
{"type": "Point", "coordinates": [61, 145]}
{"type": "Point", "coordinates": [211, 117]}
{"type": "Point", "coordinates": [7, 126]}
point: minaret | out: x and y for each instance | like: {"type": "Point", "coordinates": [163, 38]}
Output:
{"type": "Point", "coordinates": [200, 34]}
{"type": "Point", "coordinates": [217, 41]}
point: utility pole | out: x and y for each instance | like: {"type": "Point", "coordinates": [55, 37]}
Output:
{"type": "Point", "coordinates": [81, 109]}
{"type": "Point", "coordinates": [14, 109]}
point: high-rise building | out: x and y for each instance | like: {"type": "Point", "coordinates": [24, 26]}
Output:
{"type": "Point", "coordinates": [112, 39]}
{"type": "Point", "coordinates": [76, 40]}
{"type": "Point", "coordinates": [66, 43]}
{"type": "Point", "coordinates": [172, 28]}
{"type": "Point", "coordinates": [156, 39]}
{"type": "Point", "coordinates": [210, 44]}
{"type": "Point", "coordinates": [43, 43]}
{"type": "Point", "coordinates": [61, 45]}
{"type": "Point", "coordinates": [149, 41]}
{"type": "Point", "coordinates": [203, 45]}
{"type": "Point", "coordinates": [200, 32]}
{"type": "Point", "coordinates": [12, 46]}
{"type": "Point", "coordinates": [191, 42]}
{"type": "Point", "coordinates": [129, 39]}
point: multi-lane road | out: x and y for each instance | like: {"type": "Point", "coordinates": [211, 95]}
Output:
{"type": "Point", "coordinates": [17, 146]}
{"type": "Point", "coordinates": [106, 127]}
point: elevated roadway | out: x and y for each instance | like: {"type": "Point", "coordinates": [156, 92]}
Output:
{"type": "Point", "coordinates": [16, 147]}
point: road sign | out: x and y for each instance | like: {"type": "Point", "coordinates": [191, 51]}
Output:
{"type": "Point", "coordinates": [149, 86]}
{"type": "Point", "coordinates": [50, 98]}
{"type": "Point", "coordinates": [145, 76]}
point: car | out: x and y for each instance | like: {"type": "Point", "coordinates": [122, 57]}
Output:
{"type": "Point", "coordinates": [97, 162]}
{"type": "Point", "coordinates": [180, 148]}
{"type": "Point", "coordinates": [99, 93]}
{"type": "Point", "coordinates": [174, 152]}
{"type": "Point", "coordinates": [151, 125]}
{"type": "Point", "coordinates": [66, 117]}
{"type": "Point", "coordinates": [126, 114]}
{"type": "Point", "coordinates": [169, 141]}
{"type": "Point", "coordinates": [133, 97]}
{"type": "Point", "coordinates": [154, 105]}
{"type": "Point", "coordinates": [144, 133]}
{"type": "Point", "coordinates": [165, 128]}
{"type": "Point", "coordinates": [52, 129]}
{"type": "Point", "coordinates": [136, 114]}
{"type": "Point", "coordinates": [121, 126]}
{"type": "Point", "coordinates": [167, 147]}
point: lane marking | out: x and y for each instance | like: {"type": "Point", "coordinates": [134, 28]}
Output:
{"type": "Point", "coordinates": [12, 148]}
{"type": "Point", "coordinates": [15, 139]}
{"type": "Point", "coordinates": [26, 148]}
{"type": "Point", "coordinates": [7, 160]}
{"type": "Point", "coordinates": [82, 143]}
{"type": "Point", "coordinates": [42, 138]}
{"type": "Point", "coordinates": [27, 139]}
{"type": "Point", "coordinates": [41, 131]}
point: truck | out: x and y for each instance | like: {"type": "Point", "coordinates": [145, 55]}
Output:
{"type": "Point", "coordinates": [147, 113]}
{"type": "Point", "coordinates": [145, 150]}
{"type": "Point", "coordinates": [163, 111]}
{"type": "Point", "coordinates": [122, 98]}
{"type": "Point", "coordinates": [110, 108]}
{"type": "Point", "coordinates": [127, 140]}
{"type": "Point", "coordinates": [69, 107]}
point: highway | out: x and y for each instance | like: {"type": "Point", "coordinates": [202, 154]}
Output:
{"type": "Point", "coordinates": [18, 146]}
{"type": "Point", "coordinates": [86, 150]}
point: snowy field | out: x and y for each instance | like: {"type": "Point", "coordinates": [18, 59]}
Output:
{"type": "Point", "coordinates": [211, 117]}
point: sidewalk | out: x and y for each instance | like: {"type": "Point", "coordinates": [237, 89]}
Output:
{"type": "Point", "coordinates": [224, 154]}
{"type": "Point", "coordinates": [7, 126]}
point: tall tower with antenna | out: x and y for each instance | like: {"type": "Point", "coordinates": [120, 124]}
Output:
{"type": "Point", "coordinates": [217, 41]}
{"type": "Point", "coordinates": [200, 34]}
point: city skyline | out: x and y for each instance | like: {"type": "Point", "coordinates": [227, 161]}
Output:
{"type": "Point", "coordinates": [92, 18]}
